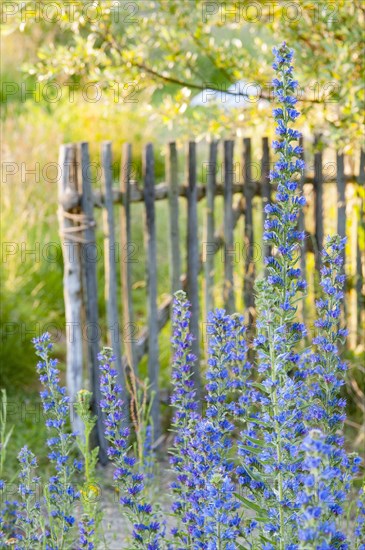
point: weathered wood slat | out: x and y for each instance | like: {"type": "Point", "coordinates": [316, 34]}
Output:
{"type": "Point", "coordinates": [209, 243]}
{"type": "Point", "coordinates": [301, 228]}
{"type": "Point", "coordinates": [301, 221]}
{"type": "Point", "coordinates": [71, 200]}
{"type": "Point", "coordinates": [248, 193]}
{"type": "Point", "coordinates": [151, 250]}
{"type": "Point", "coordinates": [229, 251]}
{"type": "Point", "coordinates": [265, 187]}
{"type": "Point", "coordinates": [341, 200]}
{"type": "Point", "coordinates": [71, 281]}
{"type": "Point", "coordinates": [318, 214]}
{"type": "Point", "coordinates": [173, 185]}
{"type": "Point", "coordinates": [89, 259]}
{"type": "Point", "coordinates": [360, 258]}
{"type": "Point", "coordinates": [127, 258]}
{"type": "Point", "coordinates": [110, 266]}
{"type": "Point", "coordinates": [193, 262]}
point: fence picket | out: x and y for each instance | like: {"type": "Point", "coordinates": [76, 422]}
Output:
{"type": "Point", "coordinates": [110, 264]}
{"type": "Point", "coordinates": [318, 214]}
{"type": "Point", "coordinates": [151, 250]}
{"type": "Point", "coordinates": [69, 232]}
{"type": "Point", "coordinates": [89, 260]}
{"type": "Point", "coordinates": [265, 186]}
{"type": "Point", "coordinates": [301, 220]}
{"type": "Point", "coordinates": [128, 249]}
{"type": "Point", "coordinates": [248, 191]}
{"type": "Point", "coordinates": [209, 244]}
{"type": "Point", "coordinates": [193, 261]}
{"type": "Point", "coordinates": [229, 253]}
{"type": "Point", "coordinates": [173, 185]}
{"type": "Point", "coordinates": [341, 200]}
{"type": "Point", "coordinates": [360, 255]}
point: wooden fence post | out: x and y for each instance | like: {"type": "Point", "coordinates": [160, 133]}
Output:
{"type": "Point", "coordinates": [301, 228]}
{"type": "Point", "coordinates": [301, 220]}
{"type": "Point", "coordinates": [129, 329]}
{"type": "Point", "coordinates": [209, 245]}
{"type": "Point", "coordinates": [89, 258]}
{"type": "Point", "coordinates": [193, 262]}
{"type": "Point", "coordinates": [341, 200]}
{"type": "Point", "coordinates": [70, 239]}
{"type": "Point", "coordinates": [229, 252]}
{"type": "Point", "coordinates": [265, 188]}
{"type": "Point", "coordinates": [110, 260]}
{"type": "Point", "coordinates": [360, 256]}
{"type": "Point", "coordinates": [151, 249]}
{"type": "Point", "coordinates": [341, 225]}
{"type": "Point", "coordinates": [173, 190]}
{"type": "Point", "coordinates": [318, 190]}
{"type": "Point", "coordinates": [248, 192]}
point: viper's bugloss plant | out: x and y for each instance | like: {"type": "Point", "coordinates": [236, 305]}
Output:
{"type": "Point", "coordinates": [274, 427]}
{"type": "Point", "coordinates": [326, 375]}
{"type": "Point", "coordinates": [87, 532]}
{"type": "Point", "coordinates": [317, 501]}
{"type": "Point", "coordinates": [147, 530]}
{"type": "Point", "coordinates": [207, 502]}
{"type": "Point", "coordinates": [228, 368]}
{"type": "Point", "coordinates": [60, 491]}
{"type": "Point", "coordinates": [186, 413]}
{"type": "Point", "coordinates": [90, 491]}
{"type": "Point", "coordinates": [29, 524]}
{"type": "Point", "coordinates": [211, 515]}
{"type": "Point", "coordinates": [327, 368]}
{"type": "Point", "coordinates": [295, 389]}
{"type": "Point", "coordinates": [8, 513]}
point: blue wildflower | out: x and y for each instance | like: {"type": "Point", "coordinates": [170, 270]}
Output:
{"type": "Point", "coordinates": [185, 406]}
{"type": "Point", "coordinates": [129, 482]}
{"type": "Point", "coordinates": [317, 500]}
{"type": "Point", "coordinates": [61, 493]}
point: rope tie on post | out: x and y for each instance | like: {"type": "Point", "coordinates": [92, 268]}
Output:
{"type": "Point", "coordinates": [72, 232]}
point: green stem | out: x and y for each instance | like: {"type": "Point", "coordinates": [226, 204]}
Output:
{"type": "Point", "coordinates": [276, 376]}
{"type": "Point", "coordinates": [278, 439]}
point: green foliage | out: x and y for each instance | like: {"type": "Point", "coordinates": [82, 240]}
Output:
{"type": "Point", "coordinates": [165, 52]}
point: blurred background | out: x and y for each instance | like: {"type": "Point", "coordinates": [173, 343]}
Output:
{"type": "Point", "coordinates": [159, 71]}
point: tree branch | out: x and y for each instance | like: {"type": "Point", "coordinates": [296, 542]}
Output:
{"type": "Point", "coordinates": [191, 85]}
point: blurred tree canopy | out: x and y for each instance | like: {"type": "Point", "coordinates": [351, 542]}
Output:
{"type": "Point", "coordinates": [163, 53]}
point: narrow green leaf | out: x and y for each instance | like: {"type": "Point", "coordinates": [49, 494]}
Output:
{"type": "Point", "coordinates": [255, 441]}
{"type": "Point", "coordinates": [249, 504]}
{"type": "Point", "coordinates": [260, 387]}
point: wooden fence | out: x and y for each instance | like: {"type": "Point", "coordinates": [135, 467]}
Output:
{"type": "Point", "coordinates": [77, 201]}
